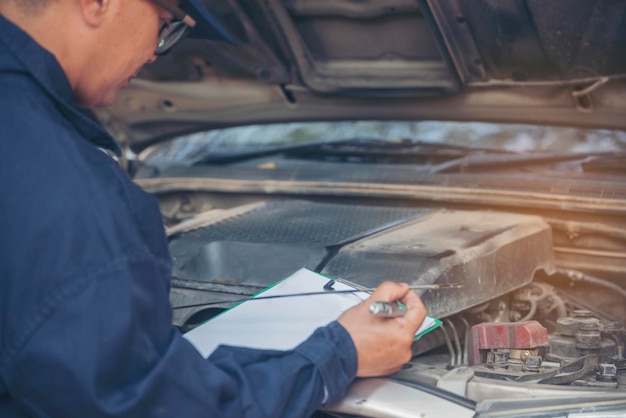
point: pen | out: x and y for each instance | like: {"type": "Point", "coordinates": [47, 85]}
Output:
{"type": "Point", "coordinates": [386, 310]}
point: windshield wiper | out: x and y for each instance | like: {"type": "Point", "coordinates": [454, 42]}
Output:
{"type": "Point", "coordinates": [608, 163]}
{"type": "Point", "coordinates": [439, 157]}
{"type": "Point", "coordinates": [484, 162]}
{"type": "Point", "coordinates": [397, 151]}
{"type": "Point", "coordinates": [228, 158]}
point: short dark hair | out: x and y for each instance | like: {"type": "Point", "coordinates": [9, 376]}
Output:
{"type": "Point", "coordinates": [32, 6]}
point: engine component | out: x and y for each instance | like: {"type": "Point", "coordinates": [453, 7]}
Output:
{"type": "Point", "coordinates": [607, 372]}
{"type": "Point", "coordinates": [621, 374]}
{"type": "Point", "coordinates": [364, 244]}
{"type": "Point", "coordinates": [499, 344]}
{"type": "Point", "coordinates": [537, 300]}
{"type": "Point", "coordinates": [532, 364]}
{"type": "Point", "coordinates": [582, 334]}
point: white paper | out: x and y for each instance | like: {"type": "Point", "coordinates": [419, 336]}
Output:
{"type": "Point", "coordinates": [282, 323]}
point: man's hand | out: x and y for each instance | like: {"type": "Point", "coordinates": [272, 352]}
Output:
{"type": "Point", "coordinates": [383, 345]}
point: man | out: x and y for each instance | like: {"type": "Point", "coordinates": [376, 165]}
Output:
{"type": "Point", "coordinates": [85, 322]}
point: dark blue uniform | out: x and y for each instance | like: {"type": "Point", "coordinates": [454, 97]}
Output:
{"type": "Point", "coordinates": [85, 320]}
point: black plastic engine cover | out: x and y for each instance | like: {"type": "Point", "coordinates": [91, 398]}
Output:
{"type": "Point", "coordinates": [489, 253]}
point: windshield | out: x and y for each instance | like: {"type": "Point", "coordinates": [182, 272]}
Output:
{"type": "Point", "coordinates": [190, 149]}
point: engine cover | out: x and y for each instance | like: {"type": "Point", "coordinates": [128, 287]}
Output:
{"type": "Point", "coordinates": [488, 253]}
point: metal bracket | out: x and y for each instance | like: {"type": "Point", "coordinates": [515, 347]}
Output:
{"type": "Point", "coordinates": [582, 97]}
{"type": "Point", "coordinates": [455, 380]}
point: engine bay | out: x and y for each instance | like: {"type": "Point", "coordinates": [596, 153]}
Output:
{"type": "Point", "coordinates": [519, 326]}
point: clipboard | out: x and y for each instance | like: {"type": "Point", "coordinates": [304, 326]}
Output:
{"type": "Point", "coordinates": [282, 323]}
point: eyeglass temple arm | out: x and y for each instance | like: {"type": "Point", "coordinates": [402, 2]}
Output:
{"type": "Point", "coordinates": [177, 12]}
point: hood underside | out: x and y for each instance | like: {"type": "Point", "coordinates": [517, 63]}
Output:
{"type": "Point", "coordinates": [559, 63]}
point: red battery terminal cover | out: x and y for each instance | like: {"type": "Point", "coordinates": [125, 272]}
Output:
{"type": "Point", "coordinates": [494, 335]}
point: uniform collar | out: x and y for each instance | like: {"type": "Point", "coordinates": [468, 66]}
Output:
{"type": "Point", "coordinates": [44, 68]}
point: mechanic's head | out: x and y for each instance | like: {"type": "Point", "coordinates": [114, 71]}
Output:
{"type": "Point", "coordinates": [102, 44]}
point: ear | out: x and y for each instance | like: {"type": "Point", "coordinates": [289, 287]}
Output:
{"type": "Point", "coordinates": [94, 11]}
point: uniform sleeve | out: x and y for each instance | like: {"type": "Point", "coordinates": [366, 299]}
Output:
{"type": "Point", "coordinates": [103, 345]}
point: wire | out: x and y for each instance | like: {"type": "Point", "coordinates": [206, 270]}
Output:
{"type": "Point", "coordinates": [578, 276]}
{"type": "Point", "coordinates": [457, 343]}
{"type": "Point", "coordinates": [449, 344]}
{"type": "Point", "coordinates": [466, 342]}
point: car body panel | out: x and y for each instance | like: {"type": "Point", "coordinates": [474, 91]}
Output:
{"type": "Point", "coordinates": [427, 60]}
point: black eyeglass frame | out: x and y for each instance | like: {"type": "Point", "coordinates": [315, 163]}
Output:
{"type": "Point", "coordinates": [174, 31]}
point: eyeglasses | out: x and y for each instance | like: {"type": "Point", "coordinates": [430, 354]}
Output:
{"type": "Point", "coordinates": [171, 33]}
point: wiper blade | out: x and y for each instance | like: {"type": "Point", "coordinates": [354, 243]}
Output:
{"type": "Point", "coordinates": [483, 162]}
{"type": "Point", "coordinates": [608, 163]}
{"type": "Point", "coordinates": [399, 150]}
{"type": "Point", "coordinates": [217, 159]}
{"type": "Point", "coordinates": [440, 157]}
{"type": "Point", "coordinates": [395, 151]}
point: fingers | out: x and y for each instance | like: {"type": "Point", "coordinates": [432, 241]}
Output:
{"type": "Point", "coordinates": [416, 311]}
{"type": "Point", "coordinates": [412, 301]}
{"type": "Point", "coordinates": [384, 344]}
{"type": "Point", "coordinates": [393, 291]}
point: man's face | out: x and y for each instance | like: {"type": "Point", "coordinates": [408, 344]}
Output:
{"type": "Point", "coordinates": [127, 42]}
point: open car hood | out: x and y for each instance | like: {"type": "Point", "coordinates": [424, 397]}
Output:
{"type": "Point", "coordinates": [524, 61]}
{"type": "Point", "coordinates": [535, 240]}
